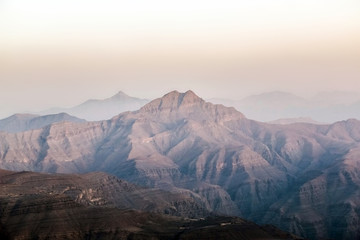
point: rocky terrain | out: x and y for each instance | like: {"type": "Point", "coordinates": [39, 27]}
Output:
{"type": "Point", "coordinates": [102, 109]}
{"type": "Point", "coordinates": [301, 177]}
{"type": "Point", "coordinates": [95, 206]}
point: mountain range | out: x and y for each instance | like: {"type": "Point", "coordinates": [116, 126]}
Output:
{"type": "Point", "coordinates": [323, 107]}
{"type": "Point", "coordinates": [302, 177]}
{"type": "Point", "coordinates": [96, 109]}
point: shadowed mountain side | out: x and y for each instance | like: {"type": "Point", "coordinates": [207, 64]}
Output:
{"type": "Point", "coordinates": [96, 110]}
{"type": "Point", "coordinates": [58, 206]}
{"type": "Point", "coordinates": [182, 144]}
{"type": "Point", "coordinates": [24, 122]}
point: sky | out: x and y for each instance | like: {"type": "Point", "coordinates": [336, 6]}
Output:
{"type": "Point", "coordinates": [61, 53]}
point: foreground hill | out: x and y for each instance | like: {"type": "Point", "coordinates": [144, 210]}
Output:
{"type": "Point", "coordinates": [302, 177]}
{"type": "Point", "coordinates": [58, 206]}
{"type": "Point", "coordinates": [96, 109]}
{"type": "Point", "coordinates": [101, 189]}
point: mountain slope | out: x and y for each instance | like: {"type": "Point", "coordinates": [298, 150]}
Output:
{"type": "Point", "coordinates": [23, 122]}
{"type": "Point", "coordinates": [101, 189]}
{"type": "Point", "coordinates": [236, 166]}
{"type": "Point", "coordinates": [95, 110]}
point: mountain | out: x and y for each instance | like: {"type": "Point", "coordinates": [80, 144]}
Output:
{"type": "Point", "coordinates": [302, 177]}
{"type": "Point", "coordinates": [95, 206]}
{"type": "Point", "coordinates": [95, 110]}
{"type": "Point", "coordinates": [24, 122]}
{"type": "Point", "coordinates": [295, 120]}
{"type": "Point", "coordinates": [323, 107]}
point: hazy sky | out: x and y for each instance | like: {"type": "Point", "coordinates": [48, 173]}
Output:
{"type": "Point", "coordinates": [60, 53]}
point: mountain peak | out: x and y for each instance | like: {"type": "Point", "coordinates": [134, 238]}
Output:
{"type": "Point", "coordinates": [175, 105]}
{"type": "Point", "coordinates": [173, 100]}
{"type": "Point", "coordinates": [120, 95]}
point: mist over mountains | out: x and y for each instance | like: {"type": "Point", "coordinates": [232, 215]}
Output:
{"type": "Point", "coordinates": [304, 178]}
{"type": "Point", "coordinates": [325, 107]}
{"type": "Point", "coordinates": [275, 107]}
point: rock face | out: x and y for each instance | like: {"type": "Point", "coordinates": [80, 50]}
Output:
{"type": "Point", "coordinates": [96, 206]}
{"type": "Point", "coordinates": [23, 122]}
{"type": "Point", "coordinates": [302, 177]}
{"type": "Point", "coordinates": [96, 110]}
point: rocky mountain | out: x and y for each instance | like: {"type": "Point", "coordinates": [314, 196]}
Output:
{"type": "Point", "coordinates": [95, 206]}
{"type": "Point", "coordinates": [24, 122]}
{"type": "Point", "coordinates": [95, 109]}
{"type": "Point", "coordinates": [326, 107]}
{"type": "Point", "coordinates": [302, 177]}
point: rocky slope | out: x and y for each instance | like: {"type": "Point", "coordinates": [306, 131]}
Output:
{"type": "Point", "coordinates": [58, 206]}
{"type": "Point", "coordinates": [23, 122]}
{"type": "Point", "coordinates": [101, 189]}
{"type": "Point", "coordinates": [236, 166]}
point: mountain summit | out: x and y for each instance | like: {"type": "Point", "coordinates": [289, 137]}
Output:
{"type": "Point", "coordinates": [176, 105]}
{"type": "Point", "coordinates": [173, 101]}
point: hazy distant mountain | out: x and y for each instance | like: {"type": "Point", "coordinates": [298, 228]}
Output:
{"type": "Point", "coordinates": [94, 110]}
{"type": "Point", "coordinates": [324, 107]}
{"type": "Point", "coordinates": [303, 177]}
{"type": "Point", "coordinates": [295, 120]}
{"type": "Point", "coordinates": [336, 98]}
{"type": "Point", "coordinates": [269, 106]}
{"type": "Point", "coordinates": [24, 122]}
{"type": "Point", "coordinates": [100, 206]}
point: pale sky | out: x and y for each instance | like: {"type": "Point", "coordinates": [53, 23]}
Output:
{"type": "Point", "coordinates": [60, 53]}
